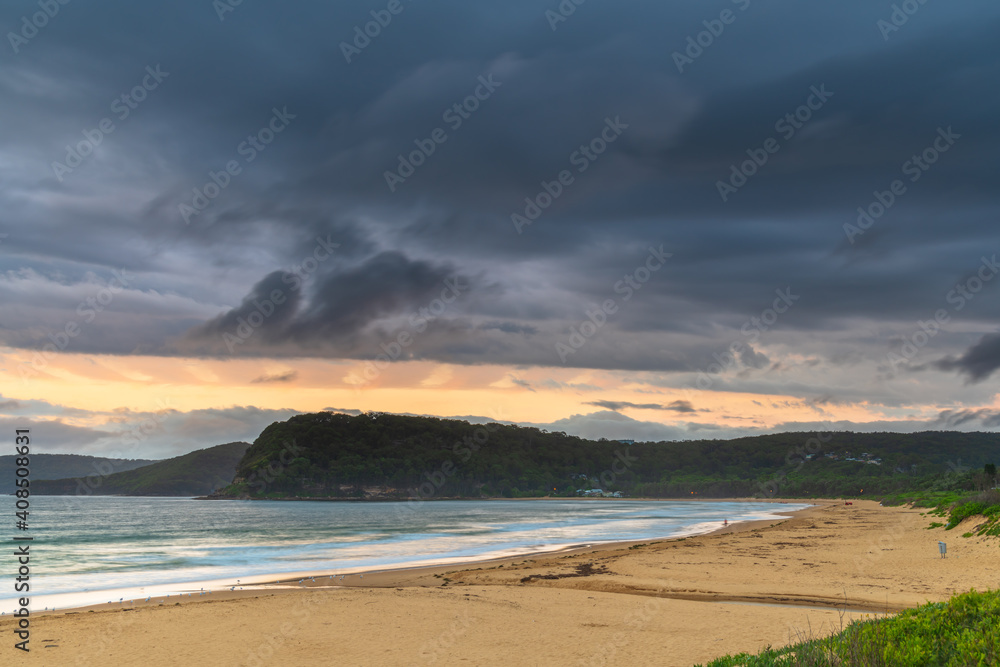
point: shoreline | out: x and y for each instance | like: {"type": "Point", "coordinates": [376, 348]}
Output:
{"type": "Point", "coordinates": [382, 576]}
{"type": "Point", "coordinates": [432, 499]}
{"type": "Point", "coordinates": [667, 602]}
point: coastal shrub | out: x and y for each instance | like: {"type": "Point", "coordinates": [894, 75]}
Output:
{"type": "Point", "coordinates": [985, 504]}
{"type": "Point", "coordinates": [963, 631]}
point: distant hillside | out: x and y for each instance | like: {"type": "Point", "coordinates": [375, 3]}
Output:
{"type": "Point", "coordinates": [194, 474]}
{"type": "Point", "coordinates": [57, 466]}
{"type": "Point", "coordinates": [378, 455]}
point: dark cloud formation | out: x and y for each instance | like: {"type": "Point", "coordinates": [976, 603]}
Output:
{"type": "Point", "coordinates": [288, 376]}
{"type": "Point", "coordinates": [522, 383]}
{"type": "Point", "coordinates": [617, 406]}
{"type": "Point", "coordinates": [979, 362]}
{"type": "Point", "coordinates": [952, 419]}
{"type": "Point", "coordinates": [307, 212]}
{"type": "Point", "coordinates": [385, 285]}
{"type": "Point", "coordinates": [266, 312]}
{"type": "Point", "coordinates": [681, 406]}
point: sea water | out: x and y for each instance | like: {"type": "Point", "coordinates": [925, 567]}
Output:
{"type": "Point", "coordinates": [95, 550]}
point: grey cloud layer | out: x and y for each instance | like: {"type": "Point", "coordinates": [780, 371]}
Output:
{"type": "Point", "coordinates": [323, 176]}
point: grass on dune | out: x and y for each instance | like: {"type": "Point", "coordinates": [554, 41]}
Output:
{"type": "Point", "coordinates": [956, 508]}
{"type": "Point", "coordinates": [986, 505]}
{"type": "Point", "coordinates": [964, 631]}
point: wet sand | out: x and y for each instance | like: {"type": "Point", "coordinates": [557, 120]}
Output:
{"type": "Point", "coordinates": [674, 602]}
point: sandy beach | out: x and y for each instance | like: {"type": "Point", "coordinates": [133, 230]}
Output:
{"type": "Point", "coordinates": [675, 602]}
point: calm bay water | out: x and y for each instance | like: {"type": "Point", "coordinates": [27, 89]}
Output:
{"type": "Point", "coordinates": [85, 547]}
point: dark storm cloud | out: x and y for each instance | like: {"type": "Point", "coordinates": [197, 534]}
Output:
{"type": "Point", "coordinates": [270, 306]}
{"type": "Point", "coordinates": [387, 284]}
{"type": "Point", "coordinates": [323, 177]}
{"type": "Point", "coordinates": [343, 303]}
{"type": "Point", "coordinates": [979, 362]}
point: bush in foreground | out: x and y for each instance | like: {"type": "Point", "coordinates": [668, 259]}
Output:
{"type": "Point", "coordinates": [963, 631]}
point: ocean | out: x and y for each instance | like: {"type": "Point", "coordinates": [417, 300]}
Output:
{"type": "Point", "coordinates": [89, 550]}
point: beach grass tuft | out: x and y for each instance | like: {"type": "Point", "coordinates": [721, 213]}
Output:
{"type": "Point", "coordinates": [963, 631]}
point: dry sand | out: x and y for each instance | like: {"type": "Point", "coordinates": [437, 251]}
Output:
{"type": "Point", "coordinates": [677, 602]}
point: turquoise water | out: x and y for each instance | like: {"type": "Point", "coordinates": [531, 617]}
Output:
{"type": "Point", "coordinates": [84, 547]}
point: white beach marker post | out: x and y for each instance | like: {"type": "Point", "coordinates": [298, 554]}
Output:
{"type": "Point", "coordinates": [943, 548]}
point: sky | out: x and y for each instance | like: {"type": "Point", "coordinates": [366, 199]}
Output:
{"type": "Point", "coordinates": [647, 220]}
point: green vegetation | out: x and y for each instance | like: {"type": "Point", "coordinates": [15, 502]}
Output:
{"type": "Point", "coordinates": [986, 505]}
{"type": "Point", "coordinates": [197, 473]}
{"type": "Point", "coordinates": [957, 506]}
{"type": "Point", "coordinates": [937, 502]}
{"type": "Point", "coordinates": [57, 466]}
{"type": "Point", "coordinates": [963, 631]}
{"type": "Point", "coordinates": [329, 455]}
